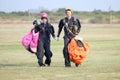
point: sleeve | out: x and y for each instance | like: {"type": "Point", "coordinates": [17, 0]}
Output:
{"type": "Point", "coordinates": [60, 26]}
{"type": "Point", "coordinates": [79, 26]}
{"type": "Point", "coordinates": [52, 31]}
{"type": "Point", "coordinates": [36, 29]}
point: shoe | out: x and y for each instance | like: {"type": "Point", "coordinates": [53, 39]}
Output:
{"type": "Point", "coordinates": [48, 64]}
{"type": "Point", "coordinates": [67, 65]}
{"type": "Point", "coordinates": [76, 65]}
{"type": "Point", "coordinates": [42, 65]}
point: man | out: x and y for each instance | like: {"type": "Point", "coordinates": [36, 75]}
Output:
{"type": "Point", "coordinates": [72, 27]}
{"type": "Point", "coordinates": [43, 48]}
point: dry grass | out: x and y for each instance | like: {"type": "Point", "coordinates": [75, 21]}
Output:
{"type": "Point", "coordinates": [102, 63]}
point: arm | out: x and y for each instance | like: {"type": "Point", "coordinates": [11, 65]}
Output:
{"type": "Point", "coordinates": [60, 26]}
{"type": "Point", "coordinates": [78, 25]}
{"type": "Point", "coordinates": [52, 31]}
{"type": "Point", "coordinates": [36, 23]}
{"type": "Point", "coordinates": [36, 29]}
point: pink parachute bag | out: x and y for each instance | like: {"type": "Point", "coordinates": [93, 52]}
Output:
{"type": "Point", "coordinates": [30, 41]}
{"type": "Point", "coordinates": [34, 41]}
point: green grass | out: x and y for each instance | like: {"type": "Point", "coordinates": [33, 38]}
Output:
{"type": "Point", "coordinates": [102, 62]}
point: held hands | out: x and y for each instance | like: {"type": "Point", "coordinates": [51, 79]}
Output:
{"type": "Point", "coordinates": [56, 38]}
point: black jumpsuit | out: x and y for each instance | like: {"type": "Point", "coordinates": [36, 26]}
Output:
{"type": "Point", "coordinates": [67, 37]}
{"type": "Point", "coordinates": [43, 47]}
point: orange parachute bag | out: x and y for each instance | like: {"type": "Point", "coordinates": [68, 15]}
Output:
{"type": "Point", "coordinates": [78, 50]}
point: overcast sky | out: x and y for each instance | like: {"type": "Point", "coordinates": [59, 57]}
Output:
{"type": "Point", "coordinates": [78, 5]}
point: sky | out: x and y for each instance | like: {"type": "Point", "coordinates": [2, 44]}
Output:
{"type": "Point", "coordinates": [77, 5]}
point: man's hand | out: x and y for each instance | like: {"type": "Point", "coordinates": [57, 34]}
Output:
{"type": "Point", "coordinates": [56, 38]}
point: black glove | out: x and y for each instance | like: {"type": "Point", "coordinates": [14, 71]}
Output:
{"type": "Point", "coordinates": [36, 22]}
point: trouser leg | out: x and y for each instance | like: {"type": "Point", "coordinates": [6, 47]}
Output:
{"type": "Point", "coordinates": [40, 52]}
{"type": "Point", "coordinates": [65, 51]}
{"type": "Point", "coordinates": [48, 53]}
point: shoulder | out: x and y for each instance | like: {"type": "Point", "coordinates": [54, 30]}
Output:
{"type": "Point", "coordinates": [41, 24]}
{"type": "Point", "coordinates": [65, 18]}
{"type": "Point", "coordinates": [49, 24]}
{"type": "Point", "coordinates": [61, 20]}
{"type": "Point", "coordinates": [75, 19]}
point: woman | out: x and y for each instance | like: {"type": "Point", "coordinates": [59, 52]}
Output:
{"type": "Point", "coordinates": [43, 48]}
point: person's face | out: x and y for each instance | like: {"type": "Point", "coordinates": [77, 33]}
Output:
{"type": "Point", "coordinates": [44, 20]}
{"type": "Point", "coordinates": [68, 14]}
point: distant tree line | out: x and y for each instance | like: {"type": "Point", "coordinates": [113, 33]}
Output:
{"type": "Point", "coordinates": [96, 16]}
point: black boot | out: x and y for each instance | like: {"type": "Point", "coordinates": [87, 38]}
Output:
{"type": "Point", "coordinates": [76, 65]}
{"type": "Point", "coordinates": [41, 64]}
{"type": "Point", "coordinates": [47, 62]}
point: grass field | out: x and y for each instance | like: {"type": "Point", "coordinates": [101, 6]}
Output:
{"type": "Point", "coordinates": [102, 62]}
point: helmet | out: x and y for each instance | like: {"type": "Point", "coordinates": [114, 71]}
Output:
{"type": "Point", "coordinates": [68, 9]}
{"type": "Point", "coordinates": [44, 15]}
